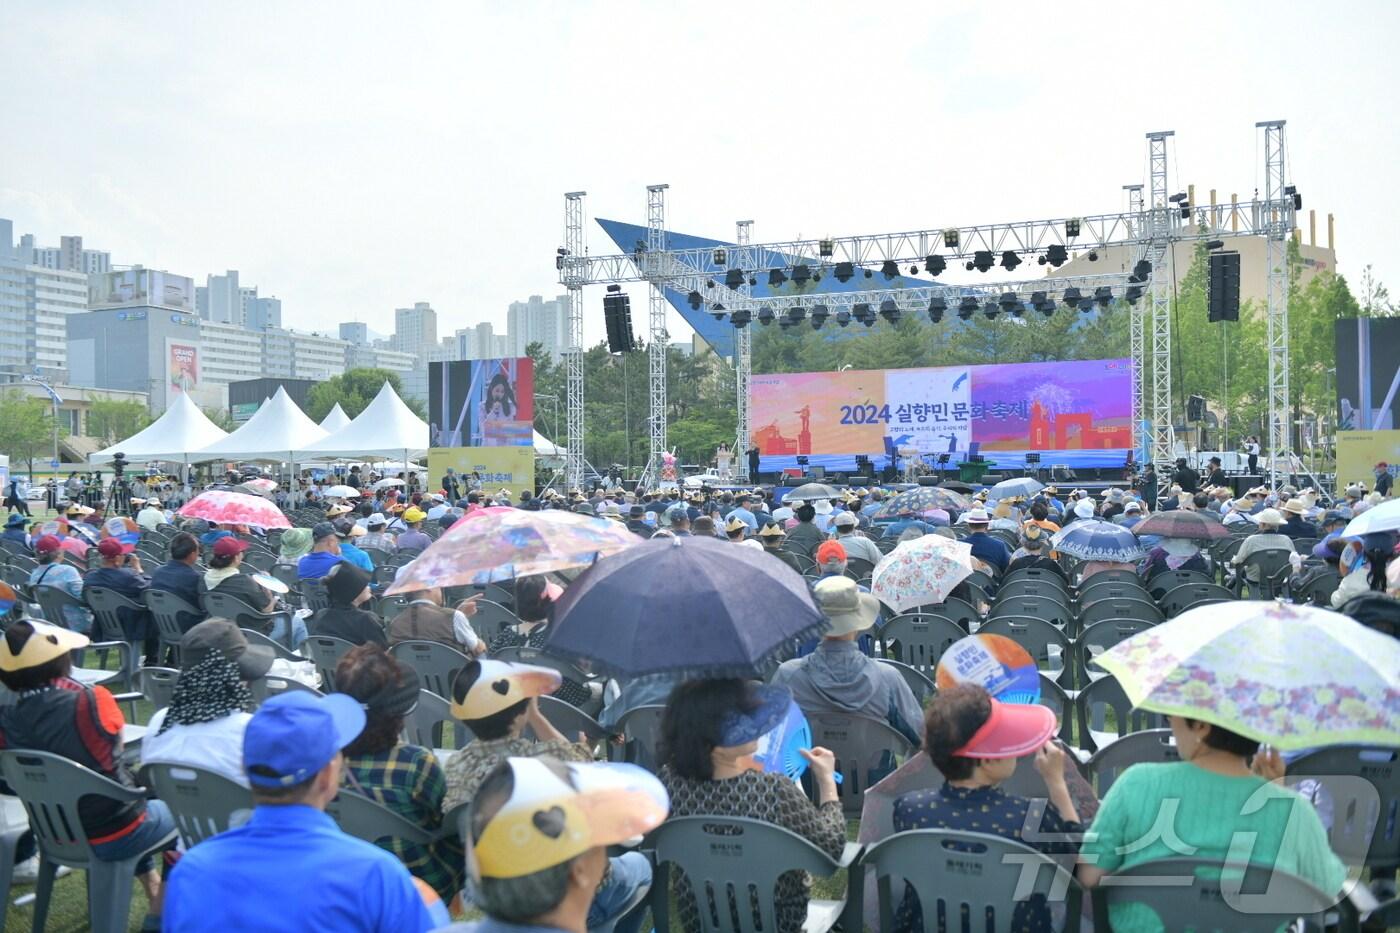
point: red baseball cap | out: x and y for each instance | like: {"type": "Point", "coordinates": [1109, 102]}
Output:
{"type": "Point", "coordinates": [228, 546]}
{"type": "Point", "coordinates": [830, 551]}
{"type": "Point", "coordinates": [48, 544]}
{"type": "Point", "coordinates": [1013, 730]}
{"type": "Point", "coordinates": [111, 547]}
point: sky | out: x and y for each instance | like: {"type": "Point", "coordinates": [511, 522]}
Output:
{"type": "Point", "coordinates": [352, 157]}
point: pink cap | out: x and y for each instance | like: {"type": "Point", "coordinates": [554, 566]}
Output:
{"type": "Point", "coordinates": [1012, 730]}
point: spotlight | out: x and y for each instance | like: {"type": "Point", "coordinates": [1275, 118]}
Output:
{"type": "Point", "coordinates": [1086, 304]}
{"type": "Point", "coordinates": [990, 310]}
{"type": "Point", "coordinates": [753, 280]}
{"type": "Point", "coordinates": [913, 270]}
{"type": "Point", "coordinates": [889, 310]}
{"type": "Point", "coordinates": [1072, 297]}
{"type": "Point", "coordinates": [1009, 260]}
{"type": "Point", "coordinates": [709, 283]}
{"type": "Point", "coordinates": [967, 307]}
{"type": "Point", "coordinates": [861, 312]}
{"type": "Point", "coordinates": [936, 306]}
{"type": "Point", "coordinates": [801, 274]}
{"type": "Point", "coordinates": [776, 278]}
{"type": "Point", "coordinates": [843, 317]}
{"type": "Point", "coordinates": [819, 316]}
{"type": "Point", "coordinates": [1142, 271]}
{"type": "Point", "coordinates": [1093, 255]}
{"type": "Point", "coordinates": [934, 265]}
{"type": "Point", "coordinates": [1291, 191]}
{"type": "Point", "coordinates": [868, 273]}
{"type": "Point", "coordinates": [720, 257]}
{"type": "Point", "coordinates": [734, 278]}
{"type": "Point", "coordinates": [1010, 302]}
{"type": "Point", "coordinates": [1177, 198]}
{"type": "Point", "coordinates": [717, 310]}
{"type": "Point", "coordinates": [1215, 244]}
{"type": "Point", "coordinates": [950, 238]}
{"type": "Point", "coordinates": [982, 260]}
{"type": "Point", "coordinates": [796, 315]}
{"type": "Point", "coordinates": [1041, 302]}
{"type": "Point", "coordinates": [1072, 227]}
{"type": "Point", "coordinates": [1103, 295]}
{"type": "Point", "coordinates": [694, 300]}
{"type": "Point", "coordinates": [559, 255]}
{"type": "Point", "coordinates": [1056, 255]}
{"type": "Point", "coordinates": [844, 272]}
{"type": "Point", "coordinates": [825, 247]}
{"type": "Point", "coordinates": [1132, 295]}
{"type": "Point", "coordinates": [1185, 211]}
{"type": "Point", "coordinates": [740, 318]}
{"type": "Point", "coordinates": [765, 315]}
{"type": "Point", "coordinates": [889, 269]}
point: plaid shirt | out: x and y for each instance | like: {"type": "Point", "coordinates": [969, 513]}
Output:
{"type": "Point", "coordinates": [408, 780]}
{"type": "Point", "coordinates": [467, 768]}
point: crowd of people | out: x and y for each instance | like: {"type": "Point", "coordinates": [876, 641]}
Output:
{"type": "Point", "coordinates": [537, 809]}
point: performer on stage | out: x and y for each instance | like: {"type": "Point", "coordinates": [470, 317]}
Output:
{"type": "Point", "coordinates": [723, 458]}
{"type": "Point", "coordinates": [1251, 448]}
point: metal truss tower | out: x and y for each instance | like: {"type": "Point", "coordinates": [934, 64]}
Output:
{"type": "Point", "coordinates": [1160, 226]}
{"type": "Point", "coordinates": [658, 340]}
{"type": "Point", "coordinates": [1277, 223]}
{"type": "Point", "coordinates": [743, 368]}
{"type": "Point", "coordinates": [573, 353]}
{"type": "Point", "coordinates": [1137, 344]}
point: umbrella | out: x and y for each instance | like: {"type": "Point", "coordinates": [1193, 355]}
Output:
{"type": "Point", "coordinates": [386, 483]}
{"type": "Point", "coordinates": [1178, 523]}
{"type": "Point", "coordinates": [512, 543]}
{"type": "Point", "coordinates": [957, 485]}
{"type": "Point", "coordinates": [922, 499]}
{"type": "Point", "coordinates": [1095, 540]}
{"type": "Point", "coordinates": [921, 572]}
{"type": "Point", "coordinates": [1292, 676]}
{"type": "Point", "coordinates": [683, 606]}
{"type": "Point", "coordinates": [235, 508]}
{"type": "Point", "coordinates": [342, 492]}
{"type": "Point", "coordinates": [810, 492]}
{"type": "Point", "coordinates": [1025, 486]}
{"type": "Point", "coordinates": [257, 487]}
{"type": "Point", "coordinates": [1383, 517]}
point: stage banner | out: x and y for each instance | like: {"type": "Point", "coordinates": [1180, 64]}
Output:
{"type": "Point", "coordinates": [1358, 452]}
{"type": "Point", "coordinates": [510, 468]}
{"type": "Point", "coordinates": [482, 403]}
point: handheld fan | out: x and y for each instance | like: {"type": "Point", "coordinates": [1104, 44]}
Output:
{"type": "Point", "coordinates": [780, 751]}
{"type": "Point", "coordinates": [995, 662]}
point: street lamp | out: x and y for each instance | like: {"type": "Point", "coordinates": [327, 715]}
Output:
{"type": "Point", "coordinates": [56, 399]}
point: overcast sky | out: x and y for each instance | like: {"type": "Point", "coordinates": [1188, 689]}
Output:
{"type": "Point", "coordinates": [351, 158]}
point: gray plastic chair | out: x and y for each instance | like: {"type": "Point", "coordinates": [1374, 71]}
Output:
{"type": "Point", "coordinates": [258, 638]}
{"type": "Point", "coordinates": [1361, 786]}
{"type": "Point", "coordinates": [50, 787]}
{"type": "Point", "coordinates": [431, 720]}
{"type": "Point", "coordinates": [1120, 609]}
{"type": "Point", "coordinates": [569, 720]}
{"type": "Point", "coordinates": [202, 802]}
{"type": "Point", "coordinates": [1054, 698]}
{"type": "Point", "coordinates": [270, 686]}
{"type": "Point", "coordinates": [1036, 575]}
{"type": "Point", "coordinates": [1024, 587]}
{"type": "Point", "coordinates": [733, 866]}
{"type": "Point", "coordinates": [435, 663]}
{"type": "Point", "coordinates": [865, 749]}
{"type": "Point", "coordinates": [1149, 745]}
{"type": "Point", "coordinates": [326, 651]}
{"type": "Point", "coordinates": [949, 871]}
{"type": "Point", "coordinates": [1098, 638]}
{"type": "Point", "coordinates": [1091, 707]}
{"type": "Point", "coordinates": [172, 615]}
{"type": "Point", "coordinates": [1045, 643]}
{"type": "Point", "coordinates": [491, 619]}
{"type": "Point", "coordinates": [158, 685]}
{"type": "Point", "coordinates": [1163, 582]}
{"type": "Point", "coordinates": [1185, 596]}
{"type": "Point", "coordinates": [1200, 897]}
{"type": "Point", "coordinates": [919, 639]}
{"type": "Point", "coordinates": [1272, 566]}
{"type": "Point", "coordinates": [367, 819]}
{"type": "Point", "coordinates": [641, 727]}
{"type": "Point", "coordinates": [959, 610]}
{"type": "Point", "coordinates": [920, 684]}
{"type": "Point", "coordinates": [106, 608]}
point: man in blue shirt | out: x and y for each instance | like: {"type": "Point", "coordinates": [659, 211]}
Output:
{"type": "Point", "coordinates": [325, 553]}
{"type": "Point", "coordinates": [179, 578]}
{"type": "Point", "coordinates": [347, 531]}
{"type": "Point", "coordinates": [984, 547]}
{"type": "Point", "coordinates": [290, 867]}
{"type": "Point", "coordinates": [14, 531]}
{"type": "Point", "coordinates": [741, 512]}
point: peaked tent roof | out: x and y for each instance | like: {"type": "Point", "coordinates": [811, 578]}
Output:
{"type": "Point", "coordinates": [544, 447]}
{"type": "Point", "coordinates": [335, 419]}
{"type": "Point", "coordinates": [182, 430]}
{"type": "Point", "coordinates": [385, 428]}
{"type": "Point", "coordinates": [277, 430]}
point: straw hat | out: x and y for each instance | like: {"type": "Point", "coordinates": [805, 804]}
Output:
{"type": "Point", "coordinates": [1295, 507]}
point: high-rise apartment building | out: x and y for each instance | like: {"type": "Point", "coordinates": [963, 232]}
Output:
{"type": "Point", "coordinates": [538, 321]}
{"type": "Point", "coordinates": [355, 332]}
{"type": "Point", "coordinates": [297, 355]}
{"type": "Point", "coordinates": [262, 314]}
{"type": "Point", "coordinates": [69, 255]}
{"type": "Point", "coordinates": [415, 329]}
{"type": "Point", "coordinates": [35, 301]}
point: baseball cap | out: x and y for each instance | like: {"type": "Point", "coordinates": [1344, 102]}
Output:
{"type": "Point", "coordinates": [414, 514]}
{"type": "Point", "coordinates": [322, 530]}
{"type": "Point", "coordinates": [111, 547]}
{"type": "Point", "coordinates": [1012, 730]}
{"type": "Point", "coordinates": [48, 544]}
{"type": "Point", "coordinates": [377, 520]}
{"type": "Point", "coordinates": [845, 606]}
{"type": "Point", "coordinates": [229, 546]}
{"type": "Point", "coordinates": [294, 735]}
{"type": "Point", "coordinates": [1132, 506]}
{"type": "Point", "coordinates": [830, 552]}
{"type": "Point", "coordinates": [345, 528]}
{"type": "Point", "coordinates": [225, 637]}
{"type": "Point", "coordinates": [845, 520]}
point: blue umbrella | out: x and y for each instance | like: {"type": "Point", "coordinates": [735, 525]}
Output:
{"type": "Point", "coordinates": [1024, 486]}
{"type": "Point", "coordinates": [1093, 540]}
{"type": "Point", "coordinates": [688, 606]}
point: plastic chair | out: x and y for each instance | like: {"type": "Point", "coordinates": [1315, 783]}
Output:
{"type": "Point", "coordinates": [107, 606]}
{"type": "Point", "coordinates": [389, 606]}
{"type": "Point", "coordinates": [314, 595]}
{"type": "Point", "coordinates": [1110, 589]}
{"type": "Point", "coordinates": [1111, 576]}
{"type": "Point", "coordinates": [1149, 745]}
{"type": "Point", "coordinates": [271, 685]}
{"type": "Point", "coordinates": [1166, 580]}
{"type": "Point", "coordinates": [1179, 598]}
{"type": "Point", "coordinates": [491, 619]}
{"type": "Point", "coordinates": [569, 720]}
{"type": "Point", "coordinates": [1362, 785]}
{"type": "Point", "coordinates": [1120, 609]}
{"type": "Point", "coordinates": [202, 802]}
{"type": "Point", "coordinates": [171, 614]}
{"type": "Point", "coordinates": [1204, 895]}
{"type": "Point", "coordinates": [919, 639]}
{"type": "Point", "coordinates": [158, 685]}
{"type": "Point", "coordinates": [1045, 643]}
{"type": "Point", "coordinates": [258, 638]}
{"type": "Point", "coordinates": [1272, 566]}
{"type": "Point", "coordinates": [287, 573]}
{"type": "Point", "coordinates": [866, 750]}
{"type": "Point", "coordinates": [857, 568]}
{"type": "Point", "coordinates": [326, 652]}
{"type": "Point", "coordinates": [959, 610]}
{"type": "Point", "coordinates": [428, 723]}
{"type": "Point", "coordinates": [435, 663]}
{"type": "Point", "coordinates": [1319, 589]}
{"type": "Point", "coordinates": [1039, 607]}
{"type": "Point", "coordinates": [224, 606]}
{"type": "Point", "coordinates": [1091, 708]}
{"type": "Point", "coordinates": [733, 866]}
{"type": "Point", "coordinates": [641, 727]}
{"type": "Point", "coordinates": [50, 787]}
{"type": "Point", "coordinates": [1098, 638]}
{"type": "Point", "coordinates": [1023, 587]}
{"type": "Point", "coordinates": [989, 876]}
{"type": "Point", "coordinates": [920, 684]}
{"type": "Point", "coordinates": [370, 820]}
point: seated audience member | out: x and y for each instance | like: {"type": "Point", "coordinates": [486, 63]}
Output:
{"type": "Point", "coordinates": [54, 713]}
{"type": "Point", "coordinates": [975, 741]}
{"type": "Point", "coordinates": [1174, 554]}
{"type": "Point", "coordinates": [324, 554]}
{"type": "Point", "coordinates": [830, 559]}
{"type": "Point", "coordinates": [906, 520]}
{"type": "Point", "coordinates": [52, 571]}
{"type": "Point", "coordinates": [225, 576]}
{"type": "Point", "coordinates": [805, 537]}
{"type": "Point", "coordinates": [1267, 538]}
{"type": "Point", "coordinates": [837, 677]}
{"type": "Point", "coordinates": [1040, 515]}
{"type": "Point", "coordinates": [207, 716]}
{"type": "Point", "coordinates": [647, 690]}
{"type": "Point", "coordinates": [121, 573]}
{"type": "Point", "coordinates": [1217, 797]}
{"type": "Point", "coordinates": [347, 587]}
{"type": "Point", "coordinates": [14, 533]}
{"type": "Point", "coordinates": [535, 597]}
{"type": "Point", "coordinates": [405, 778]}
{"type": "Point", "coordinates": [1034, 551]}
{"type": "Point", "coordinates": [1131, 514]}
{"type": "Point", "coordinates": [290, 868]}
{"type": "Point", "coordinates": [985, 548]}
{"type": "Point", "coordinates": [376, 536]}
{"type": "Point", "coordinates": [772, 536]}
{"type": "Point", "coordinates": [294, 545]}
{"type": "Point", "coordinates": [151, 516]}
{"type": "Point", "coordinates": [425, 618]}
{"type": "Point", "coordinates": [178, 577]}
{"type": "Point", "coordinates": [413, 537]}
{"type": "Point", "coordinates": [708, 736]}
{"type": "Point", "coordinates": [1362, 565]}
{"type": "Point", "coordinates": [347, 531]}
{"type": "Point", "coordinates": [857, 545]}
{"type": "Point", "coordinates": [523, 885]}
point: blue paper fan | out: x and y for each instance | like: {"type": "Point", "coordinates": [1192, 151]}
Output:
{"type": "Point", "coordinates": [780, 751]}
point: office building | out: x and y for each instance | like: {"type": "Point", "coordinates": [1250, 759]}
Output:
{"type": "Point", "coordinates": [538, 321]}
{"type": "Point", "coordinates": [244, 397]}
{"type": "Point", "coordinates": [230, 353]}
{"type": "Point", "coordinates": [296, 355]}
{"type": "Point", "coordinates": [415, 329]}
{"type": "Point", "coordinates": [139, 348]}
{"type": "Point", "coordinates": [68, 256]}
{"type": "Point", "coordinates": [35, 301]}
{"type": "Point", "coordinates": [262, 314]}
{"type": "Point", "coordinates": [355, 332]}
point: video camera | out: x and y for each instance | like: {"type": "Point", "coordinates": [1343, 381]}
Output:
{"type": "Point", "coordinates": [119, 464]}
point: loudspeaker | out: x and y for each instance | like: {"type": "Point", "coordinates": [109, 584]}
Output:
{"type": "Point", "coordinates": [840, 479]}
{"type": "Point", "coordinates": [1223, 287]}
{"type": "Point", "coordinates": [793, 482]}
{"type": "Point", "coordinates": [866, 480]}
{"type": "Point", "coordinates": [617, 315]}
{"type": "Point", "coordinates": [928, 480]}
{"type": "Point", "coordinates": [1195, 408]}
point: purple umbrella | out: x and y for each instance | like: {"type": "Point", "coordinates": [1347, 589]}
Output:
{"type": "Point", "coordinates": [689, 606]}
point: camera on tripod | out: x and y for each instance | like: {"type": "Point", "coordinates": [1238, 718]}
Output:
{"type": "Point", "coordinates": [118, 464]}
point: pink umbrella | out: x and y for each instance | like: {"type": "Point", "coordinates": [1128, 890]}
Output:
{"type": "Point", "coordinates": [235, 508]}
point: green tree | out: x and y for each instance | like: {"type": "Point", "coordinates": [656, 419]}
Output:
{"type": "Point", "coordinates": [354, 389]}
{"type": "Point", "coordinates": [221, 417]}
{"type": "Point", "coordinates": [110, 421]}
{"type": "Point", "coordinates": [26, 428]}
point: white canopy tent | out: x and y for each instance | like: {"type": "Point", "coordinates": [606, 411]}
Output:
{"type": "Point", "coordinates": [335, 419]}
{"type": "Point", "coordinates": [175, 435]}
{"type": "Point", "coordinates": [547, 449]}
{"type": "Point", "coordinates": [278, 430]}
{"type": "Point", "coordinates": [387, 428]}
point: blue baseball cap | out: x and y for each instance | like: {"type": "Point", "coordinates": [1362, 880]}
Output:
{"type": "Point", "coordinates": [294, 735]}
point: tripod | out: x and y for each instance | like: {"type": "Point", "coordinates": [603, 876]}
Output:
{"type": "Point", "coordinates": [118, 497]}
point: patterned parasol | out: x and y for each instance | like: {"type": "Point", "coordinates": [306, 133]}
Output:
{"type": "Point", "coordinates": [921, 572]}
{"type": "Point", "coordinates": [234, 508]}
{"type": "Point", "coordinates": [1178, 523]}
{"type": "Point", "coordinates": [917, 501]}
{"type": "Point", "coordinates": [1095, 540]}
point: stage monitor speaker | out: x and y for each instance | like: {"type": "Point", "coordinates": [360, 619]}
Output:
{"type": "Point", "coordinates": [1242, 484]}
{"type": "Point", "coordinates": [928, 481]}
{"type": "Point", "coordinates": [1196, 408]}
{"type": "Point", "coordinates": [840, 479]}
{"type": "Point", "coordinates": [991, 479]}
{"type": "Point", "coordinates": [792, 482]}
{"type": "Point", "coordinates": [866, 480]}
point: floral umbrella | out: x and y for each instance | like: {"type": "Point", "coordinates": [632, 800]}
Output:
{"type": "Point", "coordinates": [1178, 523]}
{"type": "Point", "coordinates": [917, 501]}
{"type": "Point", "coordinates": [257, 487]}
{"type": "Point", "coordinates": [234, 508]}
{"type": "Point", "coordinates": [1095, 541]}
{"type": "Point", "coordinates": [512, 543]}
{"type": "Point", "coordinates": [921, 572]}
{"type": "Point", "coordinates": [1292, 676]}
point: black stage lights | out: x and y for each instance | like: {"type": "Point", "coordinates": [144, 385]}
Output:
{"type": "Point", "coordinates": [1010, 303]}
{"type": "Point", "coordinates": [1041, 302]}
{"type": "Point", "coordinates": [741, 317]}
{"type": "Point", "coordinates": [1072, 227]}
{"type": "Point", "coordinates": [844, 272]}
{"type": "Point", "coordinates": [1133, 293]}
{"type": "Point", "coordinates": [796, 315]}
{"type": "Point", "coordinates": [889, 269]}
{"type": "Point", "coordinates": [889, 310]}
{"type": "Point", "coordinates": [1009, 260]}
{"type": "Point", "coordinates": [991, 310]}
{"type": "Point", "coordinates": [776, 278]}
{"type": "Point", "coordinates": [1103, 295]}
{"type": "Point", "coordinates": [1056, 255]}
{"type": "Point", "coordinates": [765, 316]}
{"type": "Point", "coordinates": [801, 274]}
{"type": "Point", "coordinates": [720, 258]}
{"type": "Point", "coordinates": [982, 260]}
{"type": "Point", "coordinates": [1072, 297]}
{"type": "Point", "coordinates": [934, 265]}
{"type": "Point", "coordinates": [694, 300]}
{"type": "Point", "coordinates": [967, 307]}
{"type": "Point", "coordinates": [950, 238]}
{"type": "Point", "coordinates": [843, 317]}
{"type": "Point", "coordinates": [734, 279]}
{"type": "Point", "coordinates": [863, 314]}
{"type": "Point", "coordinates": [1142, 271]}
{"type": "Point", "coordinates": [819, 316]}
{"type": "Point", "coordinates": [936, 306]}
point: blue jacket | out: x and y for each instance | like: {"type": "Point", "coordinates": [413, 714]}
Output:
{"type": "Point", "coordinates": [989, 549]}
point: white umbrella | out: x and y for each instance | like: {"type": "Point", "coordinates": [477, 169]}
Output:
{"type": "Point", "coordinates": [386, 483]}
{"type": "Point", "coordinates": [1383, 517]}
{"type": "Point", "coordinates": [343, 492]}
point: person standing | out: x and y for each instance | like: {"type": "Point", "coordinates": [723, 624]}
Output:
{"type": "Point", "coordinates": [1251, 449]}
{"type": "Point", "coordinates": [1383, 480]}
{"type": "Point", "coordinates": [753, 463]}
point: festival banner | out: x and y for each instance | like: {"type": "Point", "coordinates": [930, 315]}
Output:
{"type": "Point", "coordinates": [1358, 452]}
{"type": "Point", "coordinates": [181, 366]}
{"type": "Point", "coordinates": [496, 468]}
